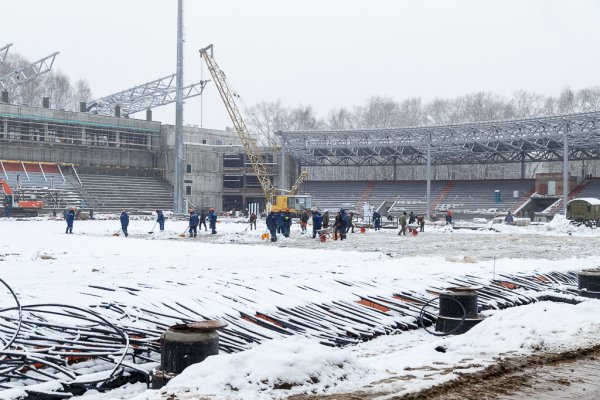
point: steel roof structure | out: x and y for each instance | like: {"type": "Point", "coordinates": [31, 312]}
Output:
{"type": "Point", "coordinates": [143, 97]}
{"type": "Point", "coordinates": [512, 141]}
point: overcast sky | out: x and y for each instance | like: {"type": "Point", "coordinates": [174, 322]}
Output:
{"type": "Point", "coordinates": [324, 53]}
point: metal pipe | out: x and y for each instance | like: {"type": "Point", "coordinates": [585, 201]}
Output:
{"type": "Point", "coordinates": [566, 169]}
{"type": "Point", "coordinates": [178, 206]}
{"type": "Point", "coordinates": [428, 212]}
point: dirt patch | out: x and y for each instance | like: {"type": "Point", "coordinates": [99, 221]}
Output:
{"type": "Point", "coordinates": [511, 378]}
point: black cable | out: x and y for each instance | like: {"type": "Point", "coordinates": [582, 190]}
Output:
{"type": "Point", "coordinates": [11, 341]}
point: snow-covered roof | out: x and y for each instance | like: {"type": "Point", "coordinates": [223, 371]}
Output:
{"type": "Point", "coordinates": [593, 201]}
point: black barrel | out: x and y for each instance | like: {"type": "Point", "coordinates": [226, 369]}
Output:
{"type": "Point", "coordinates": [589, 283]}
{"type": "Point", "coordinates": [451, 301]}
{"type": "Point", "coordinates": [458, 310]}
{"type": "Point", "coordinates": [184, 345]}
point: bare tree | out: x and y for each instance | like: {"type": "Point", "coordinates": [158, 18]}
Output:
{"type": "Point", "coordinates": [566, 101]}
{"type": "Point", "coordinates": [342, 118]}
{"type": "Point", "coordinates": [527, 104]}
{"type": "Point", "coordinates": [380, 112]}
{"type": "Point", "coordinates": [263, 119]}
{"type": "Point", "coordinates": [83, 92]}
{"type": "Point", "coordinates": [303, 118]}
{"type": "Point", "coordinates": [59, 89]}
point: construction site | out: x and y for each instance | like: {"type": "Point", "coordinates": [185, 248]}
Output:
{"type": "Point", "coordinates": [423, 288]}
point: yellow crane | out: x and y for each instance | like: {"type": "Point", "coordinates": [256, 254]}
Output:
{"type": "Point", "coordinates": [274, 201]}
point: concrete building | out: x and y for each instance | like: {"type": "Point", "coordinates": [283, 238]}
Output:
{"type": "Point", "coordinates": [217, 173]}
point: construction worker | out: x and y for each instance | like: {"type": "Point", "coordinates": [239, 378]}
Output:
{"type": "Point", "coordinates": [376, 220]}
{"type": "Point", "coordinates": [203, 220]}
{"type": "Point", "coordinates": [272, 225]}
{"type": "Point", "coordinates": [411, 218]}
{"type": "Point", "coordinates": [252, 221]}
{"type": "Point", "coordinates": [421, 222]}
{"type": "Point", "coordinates": [124, 222]}
{"type": "Point", "coordinates": [326, 219]}
{"type": "Point", "coordinates": [160, 218]}
{"type": "Point", "coordinates": [70, 219]}
{"type": "Point", "coordinates": [212, 219]}
{"type": "Point", "coordinates": [193, 223]}
{"type": "Point", "coordinates": [304, 221]}
{"type": "Point", "coordinates": [351, 222]}
{"type": "Point", "coordinates": [402, 223]}
{"type": "Point", "coordinates": [317, 219]}
{"type": "Point", "coordinates": [287, 223]}
{"type": "Point", "coordinates": [345, 223]}
{"type": "Point", "coordinates": [337, 225]}
{"type": "Point", "coordinates": [280, 224]}
{"type": "Point", "coordinates": [449, 217]}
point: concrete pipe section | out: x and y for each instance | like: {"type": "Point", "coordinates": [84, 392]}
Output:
{"type": "Point", "coordinates": [458, 310]}
{"type": "Point", "coordinates": [183, 345]}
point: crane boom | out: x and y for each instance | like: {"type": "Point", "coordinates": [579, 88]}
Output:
{"type": "Point", "coordinates": [299, 181]}
{"type": "Point", "coordinates": [248, 142]}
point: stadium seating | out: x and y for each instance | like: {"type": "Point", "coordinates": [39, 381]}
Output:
{"type": "Point", "coordinates": [331, 195]}
{"type": "Point", "coordinates": [477, 198]}
{"type": "Point", "coordinates": [113, 193]}
{"type": "Point", "coordinates": [471, 198]}
{"type": "Point", "coordinates": [407, 195]}
{"type": "Point", "coordinates": [592, 189]}
{"type": "Point", "coordinates": [43, 182]}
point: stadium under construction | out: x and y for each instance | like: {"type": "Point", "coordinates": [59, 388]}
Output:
{"type": "Point", "coordinates": [108, 163]}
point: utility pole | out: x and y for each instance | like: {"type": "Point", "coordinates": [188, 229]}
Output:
{"type": "Point", "coordinates": [178, 159]}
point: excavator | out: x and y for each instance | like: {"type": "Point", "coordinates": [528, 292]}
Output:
{"type": "Point", "coordinates": [16, 206]}
{"type": "Point", "coordinates": [276, 199]}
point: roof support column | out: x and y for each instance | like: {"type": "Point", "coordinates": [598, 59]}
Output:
{"type": "Point", "coordinates": [566, 168]}
{"type": "Point", "coordinates": [522, 165]}
{"type": "Point", "coordinates": [428, 212]}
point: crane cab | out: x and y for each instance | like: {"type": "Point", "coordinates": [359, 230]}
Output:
{"type": "Point", "coordinates": [295, 204]}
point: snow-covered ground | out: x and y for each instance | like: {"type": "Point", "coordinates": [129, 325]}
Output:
{"type": "Point", "coordinates": [43, 264]}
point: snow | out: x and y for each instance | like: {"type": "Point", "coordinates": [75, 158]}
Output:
{"type": "Point", "coordinates": [44, 265]}
{"type": "Point", "coordinates": [396, 364]}
{"type": "Point", "coordinates": [298, 364]}
{"type": "Point", "coordinates": [593, 201]}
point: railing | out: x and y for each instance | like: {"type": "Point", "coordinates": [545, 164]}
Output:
{"type": "Point", "coordinates": [42, 169]}
{"type": "Point", "coordinates": [76, 174]}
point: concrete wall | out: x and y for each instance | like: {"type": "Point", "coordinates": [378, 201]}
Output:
{"type": "Point", "coordinates": [203, 150]}
{"type": "Point", "coordinates": [542, 179]}
{"type": "Point", "coordinates": [41, 134]}
{"type": "Point", "coordinates": [80, 155]}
